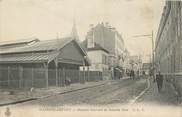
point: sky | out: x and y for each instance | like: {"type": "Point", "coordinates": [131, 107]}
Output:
{"type": "Point", "coordinates": [49, 19]}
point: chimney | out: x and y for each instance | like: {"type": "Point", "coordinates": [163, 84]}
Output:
{"type": "Point", "coordinates": [91, 26]}
{"type": "Point", "coordinates": [90, 41]}
{"type": "Point", "coordinates": [107, 24]}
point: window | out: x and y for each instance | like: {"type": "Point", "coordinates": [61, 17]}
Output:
{"type": "Point", "coordinates": [104, 59]}
{"type": "Point", "coordinates": [179, 25]}
{"type": "Point", "coordinates": [97, 66]}
{"type": "Point", "coordinates": [90, 43]}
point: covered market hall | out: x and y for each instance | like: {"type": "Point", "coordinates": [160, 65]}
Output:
{"type": "Point", "coordinates": [34, 63]}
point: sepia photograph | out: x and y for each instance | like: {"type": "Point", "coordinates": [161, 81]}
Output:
{"type": "Point", "coordinates": [101, 58]}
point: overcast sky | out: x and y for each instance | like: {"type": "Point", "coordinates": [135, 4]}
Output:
{"type": "Point", "coordinates": [44, 19]}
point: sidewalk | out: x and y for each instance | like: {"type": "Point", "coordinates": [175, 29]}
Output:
{"type": "Point", "coordinates": [152, 97]}
{"type": "Point", "coordinates": [21, 96]}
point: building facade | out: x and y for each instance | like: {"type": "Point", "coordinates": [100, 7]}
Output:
{"type": "Point", "coordinates": [168, 50]}
{"type": "Point", "coordinates": [108, 38]}
{"type": "Point", "coordinates": [136, 64]}
{"type": "Point", "coordinates": [168, 56]}
{"type": "Point", "coordinates": [99, 58]}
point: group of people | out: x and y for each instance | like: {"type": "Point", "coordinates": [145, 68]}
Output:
{"type": "Point", "coordinates": [134, 74]}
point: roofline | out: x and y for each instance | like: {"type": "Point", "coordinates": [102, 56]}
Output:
{"type": "Point", "coordinates": [26, 52]}
{"type": "Point", "coordinates": [80, 47]}
{"type": "Point", "coordinates": [39, 61]}
{"type": "Point", "coordinates": [93, 49]}
{"type": "Point", "coordinates": [37, 50]}
{"type": "Point", "coordinates": [26, 61]}
{"type": "Point", "coordinates": [25, 41]}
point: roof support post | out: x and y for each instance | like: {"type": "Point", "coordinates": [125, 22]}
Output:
{"type": "Point", "coordinates": [64, 77]}
{"type": "Point", "coordinates": [83, 72]}
{"type": "Point", "coordinates": [56, 64]}
{"type": "Point", "coordinates": [32, 76]}
{"type": "Point", "coordinates": [20, 76]}
{"type": "Point", "coordinates": [88, 73]}
{"type": "Point", "coordinates": [8, 75]}
{"type": "Point", "coordinates": [79, 76]}
{"type": "Point", "coordinates": [46, 74]}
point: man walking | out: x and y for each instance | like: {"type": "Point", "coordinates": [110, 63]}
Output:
{"type": "Point", "coordinates": [159, 79]}
{"type": "Point", "coordinates": [132, 74]}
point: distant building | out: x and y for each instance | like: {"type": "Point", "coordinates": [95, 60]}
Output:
{"type": "Point", "coordinates": [99, 58]}
{"type": "Point", "coordinates": [136, 63]}
{"type": "Point", "coordinates": [108, 38]}
{"type": "Point", "coordinates": [146, 68]}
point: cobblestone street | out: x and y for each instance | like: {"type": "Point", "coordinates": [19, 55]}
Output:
{"type": "Point", "coordinates": [114, 92]}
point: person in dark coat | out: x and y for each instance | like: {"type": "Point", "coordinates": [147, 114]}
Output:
{"type": "Point", "coordinates": [132, 74]}
{"type": "Point", "coordinates": [159, 80]}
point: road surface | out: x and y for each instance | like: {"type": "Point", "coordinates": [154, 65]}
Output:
{"type": "Point", "coordinates": [113, 92]}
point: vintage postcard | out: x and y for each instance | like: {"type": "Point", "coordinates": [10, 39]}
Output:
{"type": "Point", "coordinates": [101, 58]}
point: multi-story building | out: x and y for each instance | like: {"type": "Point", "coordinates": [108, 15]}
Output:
{"type": "Point", "coordinates": [99, 58]}
{"type": "Point", "coordinates": [108, 38]}
{"type": "Point", "coordinates": [168, 56]}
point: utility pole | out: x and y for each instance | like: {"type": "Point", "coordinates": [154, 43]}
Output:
{"type": "Point", "coordinates": [152, 42]}
{"type": "Point", "coordinates": [153, 54]}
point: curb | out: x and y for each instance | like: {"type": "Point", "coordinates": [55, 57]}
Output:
{"type": "Point", "coordinates": [131, 102]}
{"type": "Point", "coordinates": [20, 101]}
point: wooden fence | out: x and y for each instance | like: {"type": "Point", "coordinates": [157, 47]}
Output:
{"type": "Point", "coordinates": [36, 77]}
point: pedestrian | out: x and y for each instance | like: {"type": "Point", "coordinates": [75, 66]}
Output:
{"type": "Point", "coordinates": [143, 73]}
{"type": "Point", "coordinates": [132, 74]}
{"type": "Point", "coordinates": [67, 81]}
{"type": "Point", "coordinates": [159, 80]}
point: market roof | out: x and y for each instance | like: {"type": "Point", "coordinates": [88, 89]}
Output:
{"type": "Point", "coordinates": [45, 45]}
{"type": "Point", "coordinates": [39, 51]}
{"type": "Point", "coordinates": [28, 57]}
{"type": "Point", "coordinates": [20, 41]}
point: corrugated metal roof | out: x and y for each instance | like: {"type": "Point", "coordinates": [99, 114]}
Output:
{"type": "Point", "coordinates": [42, 51]}
{"type": "Point", "coordinates": [4, 43]}
{"type": "Point", "coordinates": [38, 46]}
{"type": "Point", "coordinates": [28, 57]}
